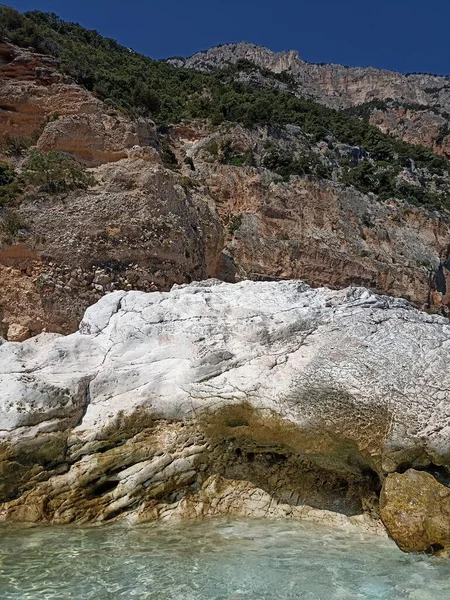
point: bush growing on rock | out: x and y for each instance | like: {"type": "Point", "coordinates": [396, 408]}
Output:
{"type": "Point", "coordinates": [7, 174]}
{"type": "Point", "coordinates": [9, 186]}
{"type": "Point", "coordinates": [168, 156]}
{"type": "Point", "coordinates": [54, 172]}
{"type": "Point", "coordinates": [286, 163]}
{"type": "Point", "coordinates": [11, 223]}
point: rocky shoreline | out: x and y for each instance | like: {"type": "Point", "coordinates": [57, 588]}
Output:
{"type": "Point", "coordinates": [250, 399]}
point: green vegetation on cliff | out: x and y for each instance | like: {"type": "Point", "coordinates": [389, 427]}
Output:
{"type": "Point", "coordinates": [135, 84]}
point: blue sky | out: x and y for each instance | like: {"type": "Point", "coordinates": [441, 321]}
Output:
{"type": "Point", "coordinates": [403, 35]}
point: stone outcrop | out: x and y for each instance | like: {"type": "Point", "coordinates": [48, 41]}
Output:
{"type": "Point", "coordinates": [139, 227]}
{"type": "Point", "coordinates": [415, 127]}
{"type": "Point", "coordinates": [266, 398]}
{"type": "Point", "coordinates": [218, 57]}
{"type": "Point", "coordinates": [318, 230]}
{"type": "Point", "coordinates": [337, 86]}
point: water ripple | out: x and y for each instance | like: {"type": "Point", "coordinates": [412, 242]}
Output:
{"type": "Point", "coordinates": [213, 560]}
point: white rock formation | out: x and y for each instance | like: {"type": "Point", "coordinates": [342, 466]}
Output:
{"type": "Point", "coordinates": [344, 382]}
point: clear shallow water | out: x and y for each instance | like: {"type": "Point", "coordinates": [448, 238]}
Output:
{"type": "Point", "coordinates": [213, 560]}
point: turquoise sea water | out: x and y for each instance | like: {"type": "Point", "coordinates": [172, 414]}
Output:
{"type": "Point", "coordinates": [212, 560]}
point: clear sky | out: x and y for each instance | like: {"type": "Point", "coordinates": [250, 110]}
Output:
{"type": "Point", "coordinates": [403, 35]}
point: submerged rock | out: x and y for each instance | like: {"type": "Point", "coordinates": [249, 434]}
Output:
{"type": "Point", "coordinates": [266, 398]}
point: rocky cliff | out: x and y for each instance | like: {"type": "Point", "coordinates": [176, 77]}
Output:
{"type": "Point", "coordinates": [194, 201]}
{"type": "Point", "coordinates": [336, 85]}
{"type": "Point", "coordinates": [256, 399]}
{"type": "Point", "coordinates": [37, 100]}
{"type": "Point", "coordinates": [422, 100]}
{"type": "Point", "coordinates": [139, 227]}
{"type": "Point", "coordinates": [168, 204]}
{"type": "Point", "coordinates": [259, 398]}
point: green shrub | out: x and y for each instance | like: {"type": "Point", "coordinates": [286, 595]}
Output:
{"type": "Point", "coordinates": [285, 163]}
{"type": "Point", "coordinates": [9, 193]}
{"type": "Point", "coordinates": [212, 148]}
{"type": "Point", "coordinates": [234, 222]}
{"type": "Point", "coordinates": [444, 131]}
{"type": "Point", "coordinates": [9, 187]}
{"type": "Point", "coordinates": [54, 172]}
{"type": "Point", "coordinates": [11, 223]}
{"type": "Point", "coordinates": [7, 174]}
{"type": "Point", "coordinates": [363, 177]}
{"type": "Point", "coordinates": [188, 183]}
{"type": "Point", "coordinates": [188, 161]}
{"type": "Point", "coordinates": [237, 161]}
{"type": "Point", "coordinates": [16, 146]}
{"type": "Point", "coordinates": [168, 156]}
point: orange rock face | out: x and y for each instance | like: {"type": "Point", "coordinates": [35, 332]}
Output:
{"type": "Point", "coordinates": [326, 234]}
{"type": "Point", "coordinates": [415, 127]}
{"type": "Point", "coordinates": [36, 100]}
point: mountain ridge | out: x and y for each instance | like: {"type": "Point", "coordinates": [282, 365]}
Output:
{"type": "Point", "coordinates": [296, 55]}
{"type": "Point", "coordinates": [426, 97]}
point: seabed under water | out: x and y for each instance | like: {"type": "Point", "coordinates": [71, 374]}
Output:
{"type": "Point", "coordinates": [213, 560]}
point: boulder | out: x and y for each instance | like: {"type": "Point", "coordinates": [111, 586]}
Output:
{"type": "Point", "coordinates": [415, 509]}
{"type": "Point", "coordinates": [96, 138]}
{"type": "Point", "coordinates": [18, 333]}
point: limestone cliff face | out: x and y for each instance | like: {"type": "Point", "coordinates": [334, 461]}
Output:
{"type": "Point", "coordinates": [260, 399]}
{"type": "Point", "coordinates": [139, 227]}
{"type": "Point", "coordinates": [335, 85]}
{"type": "Point", "coordinates": [147, 227]}
{"type": "Point", "coordinates": [415, 126]}
{"type": "Point", "coordinates": [319, 231]}
{"type": "Point", "coordinates": [425, 98]}
{"type": "Point", "coordinates": [228, 54]}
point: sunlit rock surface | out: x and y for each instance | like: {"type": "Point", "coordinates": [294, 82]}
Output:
{"type": "Point", "coordinates": [165, 404]}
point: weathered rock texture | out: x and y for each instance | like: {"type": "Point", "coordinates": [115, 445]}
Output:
{"type": "Point", "coordinates": [336, 85]}
{"type": "Point", "coordinates": [415, 126]}
{"type": "Point", "coordinates": [316, 230]}
{"type": "Point", "coordinates": [145, 226]}
{"type": "Point", "coordinates": [263, 398]}
{"type": "Point", "coordinates": [139, 227]}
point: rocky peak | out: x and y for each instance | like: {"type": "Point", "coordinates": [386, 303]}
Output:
{"type": "Point", "coordinates": [336, 85]}
{"type": "Point", "coordinates": [218, 57]}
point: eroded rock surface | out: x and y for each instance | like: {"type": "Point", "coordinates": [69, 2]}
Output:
{"type": "Point", "coordinates": [336, 85]}
{"type": "Point", "coordinates": [138, 228]}
{"type": "Point", "coordinates": [194, 202]}
{"type": "Point", "coordinates": [252, 398]}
